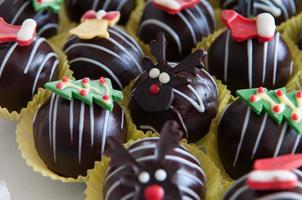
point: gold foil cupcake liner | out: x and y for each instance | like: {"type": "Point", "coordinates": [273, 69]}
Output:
{"type": "Point", "coordinates": [214, 182]}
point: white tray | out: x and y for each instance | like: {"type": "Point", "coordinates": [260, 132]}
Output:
{"type": "Point", "coordinates": [23, 183]}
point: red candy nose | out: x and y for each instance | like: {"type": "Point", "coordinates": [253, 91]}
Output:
{"type": "Point", "coordinates": [154, 192]}
{"type": "Point", "coordinates": [154, 89]}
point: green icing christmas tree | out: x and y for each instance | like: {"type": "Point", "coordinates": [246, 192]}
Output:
{"type": "Point", "coordinates": [280, 105]}
{"type": "Point", "coordinates": [97, 91]}
{"type": "Point", "coordinates": [40, 5]}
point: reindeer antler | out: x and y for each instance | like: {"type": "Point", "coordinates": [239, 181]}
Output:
{"type": "Point", "coordinates": [191, 62]}
{"type": "Point", "coordinates": [158, 48]}
{"type": "Point", "coordinates": [119, 155]}
{"type": "Point", "coordinates": [170, 136]}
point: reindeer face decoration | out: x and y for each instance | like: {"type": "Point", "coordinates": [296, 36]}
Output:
{"type": "Point", "coordinates": [154, 169]}
{"type": "Point", "coordinates": [158, 82]}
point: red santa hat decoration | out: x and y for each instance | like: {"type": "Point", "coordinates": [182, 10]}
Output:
{"type": "Point", "coordinates": [23, 34]}
{"type": "Point", "coordinates": [275, 173]}
{"type": "Point", "coordinates": [174, 6]}
{"type": "Point", "coordinates": [262, 27]}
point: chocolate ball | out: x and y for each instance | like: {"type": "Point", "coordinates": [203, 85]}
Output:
{"type": "Point", "coordinates": [183, 30]}
{"type": "Point", "coordinates": [267, 64]}
{"type": "Point", "coordinates": [243, 137]}
{"type": "Point", "coordinates": [24, 69]}
{"type": "Point", "coordinates": [70, 136]}
{"type": "Point", "coordinates": [240, 190]}
{"type": "Point", "coordinates": [16, 11]}
{"type": "Point", "coordinates": [118, 57]}
{"type": "Point", "coordinates": [158, 166]}
{"type": "Point", "coordinates": [76, 8]}
{"type": "Point", "coordinates": [282, 10]}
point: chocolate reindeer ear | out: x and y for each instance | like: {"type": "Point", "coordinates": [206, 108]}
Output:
{"type": "Point", "coordinates": [148, 64]}
{"type": "Point", "coordinates": [190, 63]}
{"type": "Point", "coordinates": [158, 48]}
{"type": "Point", "coordinates": [170, 136]}
{"type": "Point", "coordinates": [119, 155]}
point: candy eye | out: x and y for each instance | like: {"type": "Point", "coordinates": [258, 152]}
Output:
{"type": "Point", "coordinates": [154, 73]}
{"type": "Point", "coordinates": [160, 175]}
{"type": "Point", "coordinates": [144, 177]}
{"type": "Point", "coordinates": [164, 78]}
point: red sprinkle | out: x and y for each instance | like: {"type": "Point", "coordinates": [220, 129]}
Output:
{"type": "Point", "coordinates": [83, 92]}
{"type": "Point", "coordinates": [253, 98]}
{"type": "Point", "coordinates": [295, 117]}
{"type": "Point", "coordinates": [59, 85]}
{"type": "Point", "coordinates": [279, 93]}
{"type": "Point", "coordinates": [102, 80]}
{"type": "Point", "coordinates": [299, 94]}
{"type": "Point", "coordinates": [106, 97]}
{"type": "Point", "coordinates": [276, 109]}
{"type": "Point", "coordinates": [65, 79]}
{"type": "Point", "coordinates": [85, 80]}
{"type": "Point", "coordinates": [260, 90]}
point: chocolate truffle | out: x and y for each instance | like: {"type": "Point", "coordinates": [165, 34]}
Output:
{"type": "Point", "coordinates": [44, 13]}
{"type": "Point", "coordinates": [245, 135]}
{"type": "Point", "coordinates": [272, 179]}
{"type": "Point", "coordinates": [260, 59]}
{"type": "Point", "coordinates": [154, 168]}
{"type": "Point", "coordinates": [174, 91]}
{"type": "Point", "coordinates": [76, 8]}
{"type": "Point", "coordinates": [115, 54]}
{"type": "Point", "coordinates": [183, 29]}
{"type": "Point", "coordinates": [282, 10]}
{"type": "Point", "coordinates": [69, 134]}
{"type": "Point", "coordinates": [24, 65]}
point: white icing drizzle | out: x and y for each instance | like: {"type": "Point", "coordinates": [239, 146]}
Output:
{"type": "Point", "coordinates": [54, 128]}
{"type": "Point", "coordinates": [199, 106]}
{"type": "Point", "coordinates": [281, 195]}
{"type": "Point", "coordinates": [296, 144]}
{"type": "Point", "coordinates": [291, 68]}
{"type": "Point", "coordinates": [95, 4]}
{"type": "Point", "coordinates": [127, 52]}
{"type": "Point", "coordinates": [121, 5]}
{"type": "Point", "coordinates": [71, 119]}
{"type": "Point", "coordinates": [81, 129]}
{"type": "Point", "coordinates": [259, 135]}
{"type": "Point", "coordinates": [182, 122]}
{"type": "Point", "coordinates": [276, 49]}
{"type": "Point", "coordinates": [226, 55]}
{"type": "Point", "coordinates": [111, 189]}
{"type": "Point", "coordinates": [190, 176]}
{"type": "Point", "coordinates": [190, 192]}
{"type": "Point", "coordinates": [282, 7]}
{"type": "Point", "coordinates": [292, 6]}
{"type": "Point", "coordinates": [147, 127]}
{"type": "Point", "coordinates": [188, 24]}
{"type": "Point", "coordinates": [47, 27]}
{"type": "Point", "coordinates": [165, 27]}
{"type": "Point", "coordinates": [280, 140]}
{"type": "Point", "coordinates": [242, 135]}
{"type": "Point", "coordinates": [53, 68]}
{"type": "Point", "coordinates": [209, 8]}
{"type": "Point", "coordinates": [91, 112]}
{"type": "Point", "coordinates": [250, 62]}
{"type": "Point", "coordinates": [105, 68]}
{"type": "Point", "coordinates": [7, 56]}
{"type": "Point", "coordinates": [204, 20]}
{"type": "Point", "coordinates": [128, 196]}
{"type": "Point", "coordinates": [267, 6]}
{"type": "Point", "coordinates": [122, 119]}
{"type": "Point", "coordinates": [238, 192]}
{"type": "Point", "coordinates": [47, 57]}
{"type": "Point", "coordinates": [265, 48]}
{"type": "Point", "coordinates": [33, 52]}
{"type": "Point", "coordinates": [106, 4]}
{"type": "Point", "coordinates": [21, 9]}
{"type": "Point", "coordinates": [105, 126]}
{"type": "Point", "coordinates": [123, 33]}
{"type": "Point", "coordinates": [50, 117]}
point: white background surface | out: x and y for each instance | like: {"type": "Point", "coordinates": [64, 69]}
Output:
{"type": "Point", "coordinates": [23, 182]}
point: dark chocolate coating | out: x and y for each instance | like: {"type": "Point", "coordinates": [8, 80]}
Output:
{"type": "Point", "coordinates": [21, 76]}
{"type": "Point", "coordinates": [197, 123]}
{"type": "Point", "coordinates": [59, 126]}
{"type": "Point", "coordinates": [76, 8]}
{"type": "Point", "coordinates": [274, 73]}
{"type": "Point", "coordinates": [94, 58]}
{"type": "Point", "coordinates": [240, 190]}
{"type": "Point", "coordinates": [16, 11]}
{"type": "Point", "coordinates": [300, 41]}
{"type": "Point", "coordinates": [192, 176]}
{"type": "Point", "coordinates": [188, 27]}
{"type": "Point", "coordinates": [249, 8]}
{"type": "Point", "coordinates": [263, 138]}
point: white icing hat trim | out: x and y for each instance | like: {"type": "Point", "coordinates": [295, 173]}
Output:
{"type": "Point", "coordinates": [27, 30]}
{"type": "Point", "coordinates": [266, 26]}
{"type": "Point", "coordinates": [269, 176]}
{"type": "Point", "coordinates": [171, 4]}
{"type": "Point", "coordinates": [4, 192]}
